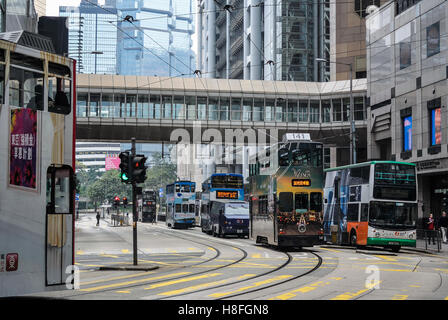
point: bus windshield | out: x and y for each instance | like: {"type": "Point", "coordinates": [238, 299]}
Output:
{"type": "Point", "coordinates": [396, 215]}
{"type": "Point", "coordinates": [241, 209]}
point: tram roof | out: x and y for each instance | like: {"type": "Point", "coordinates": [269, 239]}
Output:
{"type": "Point", "coordinates": [364, 164]}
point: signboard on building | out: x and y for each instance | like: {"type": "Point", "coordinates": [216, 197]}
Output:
{"type": "Point", "coordinates": [112, 163]}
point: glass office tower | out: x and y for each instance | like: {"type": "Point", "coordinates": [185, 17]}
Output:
{"type": "Point", "coordinates": [157, 41]}
{"type": "Point", "coordinates": [92, 37]}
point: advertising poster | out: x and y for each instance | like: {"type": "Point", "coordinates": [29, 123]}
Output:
{"type": "Point", "coordinates": [407, 126]}
{"type": "Point", "coordinates": [112, 163]}
{"type": "Point", "coordinates": [23, 148]}
{"type": "Point", "coordinates": [436, 129]}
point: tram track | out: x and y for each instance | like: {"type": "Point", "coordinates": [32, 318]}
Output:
{"type": "Point", "coordinates": [216, 256]}
{"type": "Point", "coordinates": [213, 244]}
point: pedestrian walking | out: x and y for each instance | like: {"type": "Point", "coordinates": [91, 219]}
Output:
{"type": "Point", "coordinates": [97, 218]}
{"type": "Point", "coordinates": [430, 226]}
{"type": "Point", "coordinates": [443, 225]}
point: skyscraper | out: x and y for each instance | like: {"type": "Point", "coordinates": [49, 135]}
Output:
{"type": "Point", "coordinates": [270, 40]}
{"type": "Point", "coordinates": [92, 37]}
{"type": "Point", "coordinates": [156, 38]}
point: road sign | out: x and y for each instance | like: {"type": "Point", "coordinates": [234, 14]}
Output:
{"type": "Point", "coordinates": [77, 196]}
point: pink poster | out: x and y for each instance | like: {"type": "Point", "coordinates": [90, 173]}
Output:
{"type": "Point", "coordinates": [23, 148]}
{"type": "Point", "coordinates": [112, 163]}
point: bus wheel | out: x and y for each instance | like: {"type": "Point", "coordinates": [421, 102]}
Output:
{"type": "Point", "coordinates": [396, 248]}
{"type": "Point", "coordinates": [353, 239]}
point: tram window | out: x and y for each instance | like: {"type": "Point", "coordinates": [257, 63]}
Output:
{"type": "Point", "coordinates": [283, 157]}
{"type": "Point", "coordinates": [59, 190]}
{"type": "Point", "coordinates": [27, 61]}
{"type": "Point", "coordinates": [316, 201]}
{"type": "Point", "coordinates": [178, 208]}
{"type": "Point", "coordinates": [192, 189]}
{"type": "Point", "coordinates": [285, 202]}
{"type": "Point", "coordinates": [59, 70]}
{"type": "Point", "coordinates": [364, 212]}
{"type": "Point", "coordinates": [301, 201]}
{"type": "Point", "coordinates": [185, 208]}
{"type": "Point", "coordinates": [352, 213]}
{"type": "Point", "coordinates": [185, 188]}
{"type": "Point", "coordinates": [26, 89]}
{"type": "Point", "coordinates": [59, 95]}
{"type": "Point", "coordinates": [177, 188]}
{"type": "Point", "coordinates": [191, 208]}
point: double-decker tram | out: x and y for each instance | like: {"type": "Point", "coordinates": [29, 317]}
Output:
{"type": "Point", "coordinates": [180, 204]}
{"type": "Point", "coordinates": [37, 158]}
{"type": "Point", "coordinates": [149, 203]}
{"type": "Point", "coordinates": [223, 210]}
{"type": "Point", "coordinates": [371, 203]}
{"type": "Point", "coordinates": [286, 186]}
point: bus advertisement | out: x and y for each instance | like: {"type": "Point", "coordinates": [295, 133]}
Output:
{"type": "Point", "coordinates": [371, 203]}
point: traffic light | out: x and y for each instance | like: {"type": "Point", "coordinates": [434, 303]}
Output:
{"type": "Point", "coordinates": [116, 201]}
{"type": "Point", "coordinates": [125, 173]}
{"type": "Point", "coordinates": [138, 168]}
{"type": "Point", "coordinates": [125, 201]}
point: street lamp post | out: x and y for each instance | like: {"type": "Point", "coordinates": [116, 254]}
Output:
{"type": "Point", "coordinates": [352, 111]}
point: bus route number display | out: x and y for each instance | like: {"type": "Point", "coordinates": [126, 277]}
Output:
{"type": "Point", "coordinates": [301, 182]}
{"type": "Point", "coordinates": [226, 194]}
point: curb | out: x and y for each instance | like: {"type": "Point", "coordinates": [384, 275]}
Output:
{"type": "Point", "coordinates": [128, 268]}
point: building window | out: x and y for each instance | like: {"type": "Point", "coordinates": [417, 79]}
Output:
{"type": "Point", "coordinates": [433, 39]}
{"type": "Point", "coordinates": [327, 158]}
{"type": "Point", "coordinates": [407, 133]}
{"type": "Point", "coordinates": [405, 54]}
{"type": "Point", "coordinates": [361, 6]}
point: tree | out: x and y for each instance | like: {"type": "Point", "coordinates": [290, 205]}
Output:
{"type": "Point", "coordinates": [162, 172]}
{"type": "Point", "coordinates": [107, 187]}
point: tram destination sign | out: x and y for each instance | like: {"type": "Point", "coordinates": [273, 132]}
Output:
{"type": "Point", "coordinates": [223, 194]}
{"type": "Point", "coordinates": [301, 182]}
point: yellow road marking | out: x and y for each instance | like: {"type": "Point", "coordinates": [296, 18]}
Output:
{"type": "Point", "coordinates": [203, 285]}
{"type": "Point", "coordinates": [134, 281]}
{"type": "Point", "coordinates": [256, 284]}
{"type": "Point", "coordinates": [168, 283]}
{"type": "Point", "coordinates": [123, 291]}
{"type": "Point", "coordinates": [256, 256]}
{"type": "Point", "coordinates": [400, 297]}
{"type": "Point", "coordinates": [304, 289]}
{"type": "Point", "coordinates": [79, 252]}
{"type": "Point", "coordinates": [350, 295]}
{"type": "Point", "coordinates": [386, 258]}
{"type": "Point", "coordinates": [332, 250]}
{"type": "Point", "coordinates": [125, 251]}
{"type": "Point", "coordinates": [109, 256]}
{"type": "Point", "coordinates": [116, 278]}
{"type": "Point", "coordinates": [414, 286]}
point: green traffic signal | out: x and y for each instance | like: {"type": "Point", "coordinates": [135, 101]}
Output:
{"type": "Point", "coordinates": [124, 176]}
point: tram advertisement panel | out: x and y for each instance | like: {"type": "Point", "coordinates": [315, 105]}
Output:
{"type": "Point", "coordinates": [23, 160]}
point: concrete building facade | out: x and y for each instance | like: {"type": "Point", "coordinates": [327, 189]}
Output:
{"type": "Point", "coordinates": [407, 89]}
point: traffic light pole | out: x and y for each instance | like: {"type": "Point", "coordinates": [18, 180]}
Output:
{"type": "Point", "coordinates": [134, 211]}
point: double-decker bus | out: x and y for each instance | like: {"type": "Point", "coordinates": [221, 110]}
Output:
{"type": "Point", "coordinates": [371, 203]}
{"type": "Point", "coordinates": [180, 204]}
{"type": "Point", "coordinates": [223, 210]}
{"type": "Point", "coordinates": [286, 186]}
{"type": "Point", "coordinates": [149, 203]}
{"type": "Point", "coordinates": [37, 159]}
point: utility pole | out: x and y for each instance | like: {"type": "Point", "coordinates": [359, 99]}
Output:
{"type": "Point", "coordinates": [134, 210]}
